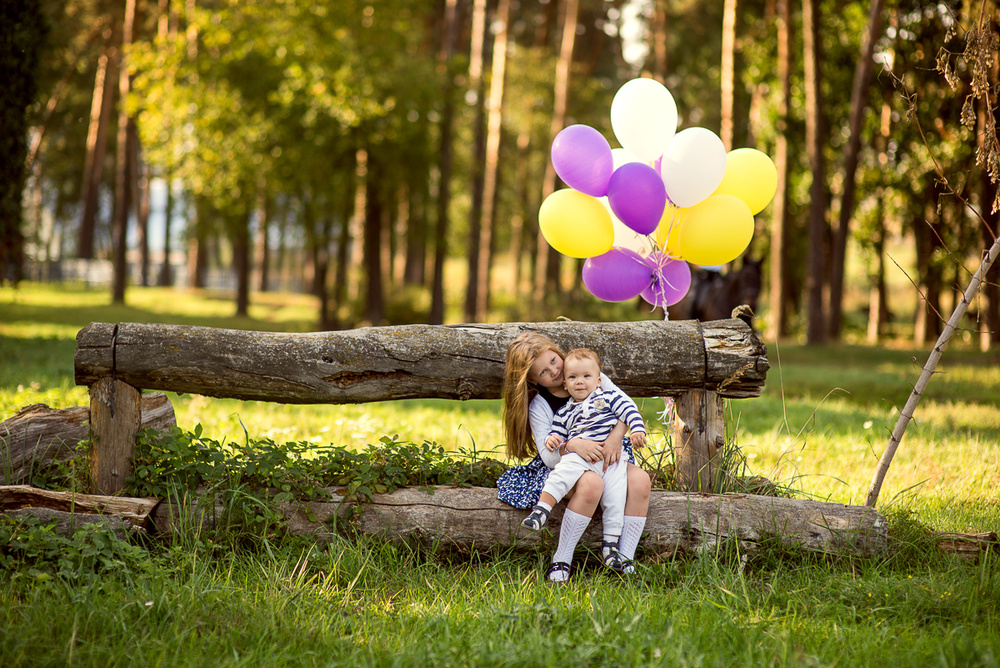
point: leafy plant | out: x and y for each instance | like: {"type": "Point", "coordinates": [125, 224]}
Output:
{"type": "Point", "coordinates": [31, 548]}
{"type": "Point", "coordinates": [252, 479]}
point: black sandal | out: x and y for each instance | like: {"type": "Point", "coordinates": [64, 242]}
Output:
{"type": "Point", "coordinates": [558, 568]}
{"type": "Point", "coordinates": [614, 559]}
{"type": "Point", "coordinates": [536, 519]}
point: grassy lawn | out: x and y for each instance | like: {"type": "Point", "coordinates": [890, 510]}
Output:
{"type": "Point", "coordinates": [819, 428]}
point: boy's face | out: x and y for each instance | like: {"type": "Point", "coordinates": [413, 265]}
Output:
{"type": "Point", "coordinates": [583, 376]}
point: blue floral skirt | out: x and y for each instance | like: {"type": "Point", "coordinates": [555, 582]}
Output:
{"type": "Point", "coordinates": [520, 486]}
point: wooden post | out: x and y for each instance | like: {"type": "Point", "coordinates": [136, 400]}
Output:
{"type": "Point", "coordinates": [115, 419]}
{"type": "Point", "coordinates": [699, 433]}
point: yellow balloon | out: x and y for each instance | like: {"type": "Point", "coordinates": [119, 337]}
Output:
{"type": "Point", "coordinates": [751, 176]}
{"type": "Point", "coordinates": [576, 224]}
{"type": "Point", "coordinates": [668, 233]}
{"type": "Point", "coordinates": [716, 230]}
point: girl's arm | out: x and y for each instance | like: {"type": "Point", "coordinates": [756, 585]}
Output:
{"type": "Point", "coordinates": [540, 417]}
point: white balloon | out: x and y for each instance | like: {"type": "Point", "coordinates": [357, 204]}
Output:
{"type": "Point", "coordinates": [620, 156]}
{"type": "Point", "coordinates": [644, 118]}
{"type": "Point", "coordinates": [625, 236]}
{"type": "Point", "coordinates": [693, 166]}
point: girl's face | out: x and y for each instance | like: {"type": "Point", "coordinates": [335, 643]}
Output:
{"type": "Point", "coordinates": [547, 370]}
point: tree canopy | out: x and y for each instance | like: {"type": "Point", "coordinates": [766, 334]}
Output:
{"type": "Point", "coordinates": [340, 146]}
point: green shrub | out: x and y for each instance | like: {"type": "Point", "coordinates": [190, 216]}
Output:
{"type": "Point", "coordinates": [31, 548]}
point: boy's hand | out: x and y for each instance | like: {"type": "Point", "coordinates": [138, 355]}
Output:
{"type": "Point", "coordinates": [638, 439]}
{"type": "Point", "coordinates": [553, 442]}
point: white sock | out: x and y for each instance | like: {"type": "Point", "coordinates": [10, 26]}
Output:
{"type": "Point", "coordinates": [631, 533]}
{"type": "Point", "coordinates": [570, 530]}
{"type": "Point", "coordinates": [547, 507]}
{"type": "Point", "coordinates": [608, 538]}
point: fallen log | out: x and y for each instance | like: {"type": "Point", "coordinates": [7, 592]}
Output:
{"type": "Point", "coordinates": [17, 498]}
{"type": "Point", "coordinates": [649, 358]}
{"type": "Point", "coordinates": [968, 546]}
{"type": "Point", "coordinates": [38, 435]}
{"type": "Point", "coordinates": [470, 519]}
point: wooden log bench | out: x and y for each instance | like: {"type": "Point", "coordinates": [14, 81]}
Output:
{"type": "Point", "coordinates": [698, 364]}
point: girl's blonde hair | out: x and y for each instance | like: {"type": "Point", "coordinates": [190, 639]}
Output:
{"type": "Point", "coordinates": [518, 391]}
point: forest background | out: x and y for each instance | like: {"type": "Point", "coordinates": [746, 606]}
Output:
{"type": "Point", "coordinates": [371, 153]}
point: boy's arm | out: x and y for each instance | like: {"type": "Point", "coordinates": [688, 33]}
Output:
{"type": "Point", "coordinates": [628, 412]}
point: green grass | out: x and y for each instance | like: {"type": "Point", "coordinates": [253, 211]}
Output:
{"type": "Point", "coordinates": [820, 426]}
{"type": "Point", "coordinates": [370, 603]}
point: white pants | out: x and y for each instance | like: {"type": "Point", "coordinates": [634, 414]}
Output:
{"type": "Point", "coordinates": [569, 469]}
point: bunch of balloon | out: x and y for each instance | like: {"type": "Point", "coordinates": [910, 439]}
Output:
{"type": "Point", "coordinates": [642, 213]}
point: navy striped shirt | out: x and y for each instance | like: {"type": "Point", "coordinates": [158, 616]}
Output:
{"type": "Point", "coordinates": [595, 417]}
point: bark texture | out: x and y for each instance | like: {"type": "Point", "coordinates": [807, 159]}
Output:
{"type": "Point", "coordinates": [646, 359]}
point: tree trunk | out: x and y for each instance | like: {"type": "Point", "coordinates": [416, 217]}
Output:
{"type": "Point", "coordinates": [728, 71]}
{"type": "Point", "coordinates": [374, 301]}
{"type": "Point", "coordinates": [415, 268]}
{"type": "Point", "coordinates": [124, 169]}
{"type": "Point", "coordinates": [659, 32]}
{"type": "Point", "coordinates": [38, 435]}
{"type": "Point", "coordinates": [197, 255]}
{"type": "Point", "coordinates": [474, 247]}
{"type": "Point", "coordinates": [166, 277]}
{"type": "Point", "coordinates": [262, 243]}
{"type": "Point", "coordinates": [446, 53]}
{"type": "Point", "coordinates": [97, 140]}
{"type": "Point", "coordinates": [877, 307]}
{"type": "Point", "coordinates": [491, 175]}
{"type": "Point", "coordinates": [520, 215]}
{"type": "Point", "coordinates": [241, 260]}
{"type": "Point", "coordinates": [547, 282]}
{"type": "Point", "coordinates": [859, 102]}
{"type": "Point", "coordinates": [815, 133]}
{"type": "Point", "coordinates": [779, 235]}
{"type": "Point", "coordinates": [339, 293]}
{"type": "Point", "coordinates": [140, 191]}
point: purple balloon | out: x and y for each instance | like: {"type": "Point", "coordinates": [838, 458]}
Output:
{"type": "Point", "coordinates": [582, 159]}
{"type": "Point", "coordinates": [617, 276]}
{"type": "Point", "coordinates": [671, 280]}
{"type": "Point", "coordinates": [637, 196]}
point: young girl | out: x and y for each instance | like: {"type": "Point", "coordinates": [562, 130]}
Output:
{"type": "Point", "coordinates": [532, 393]}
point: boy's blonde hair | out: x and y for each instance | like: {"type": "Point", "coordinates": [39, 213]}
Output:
{"type": "Point", "coordinates": [583, 354]}
{"type": "Point", "coordinates": [518, 391]}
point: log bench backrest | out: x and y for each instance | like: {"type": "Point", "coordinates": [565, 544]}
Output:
{"type": "Point", "coordinates": [645, 359]}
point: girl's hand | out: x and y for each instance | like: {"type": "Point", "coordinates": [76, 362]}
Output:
{"type": "Point", "coordinates": [612, 452]}
{"type": "Point", "coordinates": [589, 450]}
{"type": "Point", "coordinates": [613, 444]}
